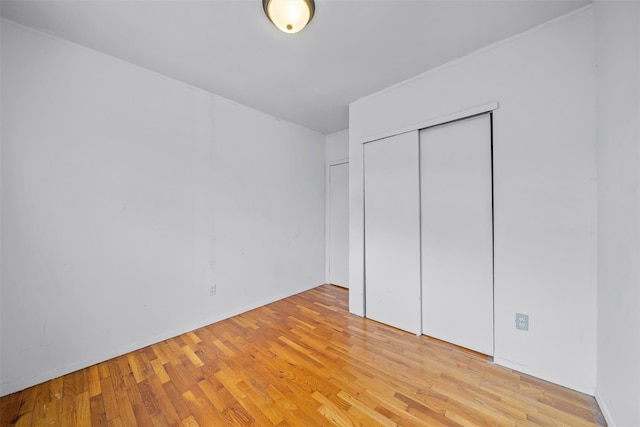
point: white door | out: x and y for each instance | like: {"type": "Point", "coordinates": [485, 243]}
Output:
{"type": "Point", "coordinates": [457, 233]}
{"type": "Point", "coordinates": [392, 231]}
{"type": "Point", "coordinates": [339, 224]}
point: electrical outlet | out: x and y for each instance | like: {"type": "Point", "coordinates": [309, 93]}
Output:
{"type": "Point", "coordinates": [522, 322]}
{"type": "Point", "coordinates": [212, 290]}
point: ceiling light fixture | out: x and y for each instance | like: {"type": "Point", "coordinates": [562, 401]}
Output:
{"type": "Point", "coordinates": [289, 16]}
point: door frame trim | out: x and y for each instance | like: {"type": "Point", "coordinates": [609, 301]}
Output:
{"type": "Point", "coordinates": [469, 112]}
{"type": "Point", "coordinates": [327, 214]}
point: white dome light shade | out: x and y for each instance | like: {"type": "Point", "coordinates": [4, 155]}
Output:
{"type": "Point", "coordinates": [289, 16]}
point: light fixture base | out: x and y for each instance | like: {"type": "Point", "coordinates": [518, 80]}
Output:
{"type": "Point", "coordinates": [290, 16]}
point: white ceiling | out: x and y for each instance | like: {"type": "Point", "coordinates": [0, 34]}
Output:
{"type": "Point", "coordinates": [351, 48]}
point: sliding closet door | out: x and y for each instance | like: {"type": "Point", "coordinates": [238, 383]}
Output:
{"type": "Point", "coordinates": [392, 231]}
{"type": "Point", "coordinates": [457, 233]}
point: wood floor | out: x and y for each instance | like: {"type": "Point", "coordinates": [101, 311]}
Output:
{"type": "Point", "coordinates": [302, 361]}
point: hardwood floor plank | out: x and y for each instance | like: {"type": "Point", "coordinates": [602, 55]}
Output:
{"type": "Point", "coordinates": [161, 373]}
{"type": "Point", "coordinates": [176, 401]}
{"type": "Point", "coordinates": [373, 415]}
{"type": "Point", "coordinates": [168, 410]}
{"type": "Point", "coordinates": [103, 370]}
{"type": "Point", "coordinates": [301, 361]}
{"type": "Point", "coordinates": [116, 422]}
{"type": "Point", "coordinates": [98, 412]}
{"type": "Point", "coordinates": [148, 397]}
{"type": "Point", "coordinates": [125, 408]}
{"type": "Point", "coordinates": [83, 411]}
{"type": "Point", "coordinates": [27, 401]}
{"type": "Point", "coordinates": [203, 412]}
{"type": "Point", "coordinates": [190, 422]}
{"type": "Point", "coordinates": [24, 420]}
{"type": "Point", "coordinates": [109, 399]}
{"type": "Point", "coordinates": [258, 397]}
{"type": "Point", "coordinates": [136, 367]}
{"type": "Point", "coordinates": [141, 415]}
{"type": "Point", "coordinates": [42, 398]}
{"type": "Point", "coordinates": [68, 395]}
{"type": "Point", "coordinates": [10, 411]}
{"type": "Point", "coordinates": [94, 381]}
{"type": "Point", "coordinates": [192, 356]}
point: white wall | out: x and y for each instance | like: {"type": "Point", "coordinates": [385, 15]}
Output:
{"type": "Point", "coordinates": [618, 142]}
{"type": "Point", "coordinates": [544, 186]}
{"type": "Point", "coordinates": [268, 205]}
{"type": "Point", "coordinates": [126, 195]}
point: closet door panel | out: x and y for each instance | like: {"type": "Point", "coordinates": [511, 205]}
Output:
{"type": "Point", "coordinates": [392, 231]}
{"type": "Point", "coordinates": [457, 233]}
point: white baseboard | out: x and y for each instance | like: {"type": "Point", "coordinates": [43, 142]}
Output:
{"type": "Point", "coordinates": [605, 409]}
{"type": "Point", "coordinates": [544, 376]}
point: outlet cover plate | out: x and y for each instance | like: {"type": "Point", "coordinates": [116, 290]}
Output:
{"type": "Point", "coordinates": [522, 321]}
